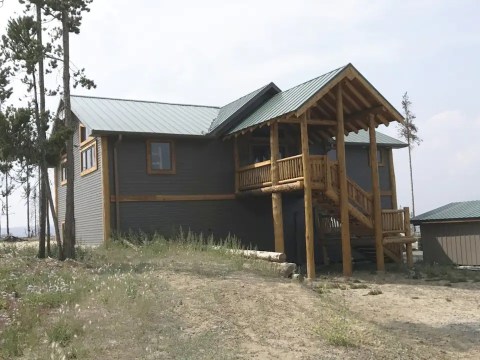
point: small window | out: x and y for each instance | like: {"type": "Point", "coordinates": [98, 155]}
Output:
{"type": "Point", "coordinates": [88, 159]}
{"type": "Point", "coordinates": [82, 134]}
{"type": "Point", "coordinates": [160, 157]}
{"type": "Point", "coordinates": [379, 157]}
{"type": "Point", "coordinates": [261, 152]}
{"type": "Point", "coordinates": [63, 171]}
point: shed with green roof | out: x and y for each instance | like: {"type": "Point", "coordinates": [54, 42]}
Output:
{"type": "Point", "coordinates": [451, 233]}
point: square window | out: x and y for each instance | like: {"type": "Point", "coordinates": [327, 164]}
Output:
{"type": "Point", "coordinates": [88, 159]}
{"type": "Point", "coordinates": [160, 157]}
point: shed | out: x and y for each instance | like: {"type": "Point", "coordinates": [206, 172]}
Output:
{"type": "Point", "coordinates": [451, 233]}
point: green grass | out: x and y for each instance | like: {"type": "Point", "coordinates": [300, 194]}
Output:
{"type": "Point", "coordinates": [42, 296]}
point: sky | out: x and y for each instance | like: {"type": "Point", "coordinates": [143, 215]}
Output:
{"type": "Point", "coordinates": [212, 52]}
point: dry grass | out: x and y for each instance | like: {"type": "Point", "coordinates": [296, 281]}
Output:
{"type": "Point", "coordinates": [184, 299]}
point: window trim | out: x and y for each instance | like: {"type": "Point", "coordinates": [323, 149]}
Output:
{"type": "Point", "coordinates": [88, 139]}
{"type": "Point", "coordinates": [382, 154]}
{"type": "Point", "coordinates": [95, 156]}
{"type": "Point", "coordinates": [173, 169]}
{"type": "Point", "coordinates": [63, 161]}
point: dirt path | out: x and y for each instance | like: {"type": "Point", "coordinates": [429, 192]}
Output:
{"type": "Point", "coordinates": [421, 312]}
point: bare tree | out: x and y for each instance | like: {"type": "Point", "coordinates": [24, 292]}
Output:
{"type": "Point", "coordinates": [408, 131]}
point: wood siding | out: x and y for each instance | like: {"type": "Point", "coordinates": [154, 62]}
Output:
{"type": "Point", "coordinates": [451, 243]}
{"type": "Point", "coordinates": [88, 197]}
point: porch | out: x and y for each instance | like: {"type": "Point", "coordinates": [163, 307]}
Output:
{"type": "Point", "coordinates": [337, 104]}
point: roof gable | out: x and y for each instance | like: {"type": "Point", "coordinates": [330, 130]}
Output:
{"type": "Point", "coordinates": [287, 101]}
{"type": "Point", "coordinates": [452, 211]}
{"type": "Point", "coordinates": [297, 100]}
{"type": "Point", "coordinates": [229, 111]}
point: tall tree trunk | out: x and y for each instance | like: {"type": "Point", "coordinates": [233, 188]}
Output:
{"type": "Point", "coordinates": [42, 203]}
{"type": "Point", "coordinates": [411, 179]}
{"type": "Point", "coordinates": [27, 190]}
{"type": "Point", "coordinates": [61, 252]}
{"type": "Point", "coordinates": [41, 187]}
{"type": "Point", "coordinates": [69, 236]}
{"type": "Point", "coordinates": [49, 250]}
{"type": "Point", "coordinates": [6, 203]}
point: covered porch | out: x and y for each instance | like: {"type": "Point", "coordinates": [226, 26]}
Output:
{"type": "Point", "coordinates": [297, 154]}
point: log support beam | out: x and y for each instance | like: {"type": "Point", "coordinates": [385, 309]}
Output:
{"type": "Point", "coordinates": [377, 206]}
{"type": "Point", "coordinates": [276, 196]}
{"type": "Point", "coordinates": [342, 177]}
{"type": "Point", "coordinates": [307, 184]}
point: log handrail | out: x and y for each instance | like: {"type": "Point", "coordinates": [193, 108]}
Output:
{"type": "Point", "coordinates": [393, 221]}
{"type": "Point", "coordinates": [290, 168]}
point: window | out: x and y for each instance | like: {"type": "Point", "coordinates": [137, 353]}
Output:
{"type": "Point", "coordinates": [160, 157]}
{"type": "Point", "coordinates": [88, 158]}
{"type": "Point", "coordinates": [82, 134]}
{"type": "Point", "coordinates": [379, 157]}
{"type": "Point", "coordinates": [261, 152]}
{"type": "Point", "coordinates": [63, 171]}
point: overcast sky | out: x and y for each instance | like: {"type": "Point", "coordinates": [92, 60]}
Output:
{"type": "Point", "coordinates": [212, 52]}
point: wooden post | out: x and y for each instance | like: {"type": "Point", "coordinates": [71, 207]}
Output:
{"type": "Point", "coordinates": [342, 178]}
{"type": "Point", "coordinates": [276, 196]}
{"type": "Point", "coordinates": [307, 185]}
{"type": "Point", "coordinates": [236, 160]}
{"type": "Point", "coordinates": [106, 191]}
{"type": "Point", "coordinates": [393, 183]}
{"type": "Point", "coordinates": [377, 205]}
{"type": "Point", "coordinates": [408, 233]}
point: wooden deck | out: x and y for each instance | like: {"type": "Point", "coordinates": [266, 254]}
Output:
{"type": "Point", "coordinates": [395, 224]}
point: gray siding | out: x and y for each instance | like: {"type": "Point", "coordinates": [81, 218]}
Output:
{"type": "Point", "coordinates": [451, 243]}
{"type": "Point", "coordinates": [202, 167]}
{"type": "Point", "coordinates": [88, 198]}
{"type": "Point", "coordinates": [250, 220]}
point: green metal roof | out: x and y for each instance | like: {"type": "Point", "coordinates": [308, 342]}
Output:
{"type": "Point", "coordinates": [454, 211]}
{"type": "Point", "coordinates": [129, 116]}
{"type": "Point", "coordinates": [287, 101]}
{"type": "Point", "coordinates": [363, 138]}
{"type": "Point", "coordinates": [227, 111]}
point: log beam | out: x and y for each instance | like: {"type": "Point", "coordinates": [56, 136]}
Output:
{"type": "Point", "coordinates": [294, 186]}
{"type": "Point", "coordinates": [377, 206]}
{"type": "Point", "coordinates": [276, 196]}
{"type": "Point", "coordinates": [342, 177]}
{"type": "Point", "coordinates": [307, 198]}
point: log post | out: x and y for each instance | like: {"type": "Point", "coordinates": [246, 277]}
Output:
{"type": "Point", "coordinates": [276, 196]}
{"type": "Point", "coordinates": [408, 233]}
{"type": "Point", "coordinates": [377, 205]}
{"type": "Point", "coordinates": [342, 178]}
{"type": "Point", "coordinates": [237, 164]}
{"type": "Point", "coordinates": [393, 183]}
{"type": "Point", "coordinates": [307, 185]}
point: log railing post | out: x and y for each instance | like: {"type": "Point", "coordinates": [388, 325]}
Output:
{"type": "Point", "coordinates": [408, 233]}
{"type": "Point", "coordinates": [276, 196]}
{"type": "Point", "coordinates": [342, 179]}
{"type": "Point", "coordinates": [377, 206]}
{"type": "Point", "coordinates": [307, 185]}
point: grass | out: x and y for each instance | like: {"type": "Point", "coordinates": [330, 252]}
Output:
{"type": "Point", "coordinates": [43, 302]}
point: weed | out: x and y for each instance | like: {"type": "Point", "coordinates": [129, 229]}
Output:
{"type": "Point", "coordinates": [64, 330]}
{"type": "Point", "coordinates": [375, 292]}
{"type": "Point", "coordinates": [358, 286]}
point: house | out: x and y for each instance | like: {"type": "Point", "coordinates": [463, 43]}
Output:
{"type": "Point", "coordinates": [265, 167]}
{"type": "Point", "coordinates": [451, 233]}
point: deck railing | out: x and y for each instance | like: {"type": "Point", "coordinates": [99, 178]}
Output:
{"type": "Point", "coordinates": [255, 175]}
{"type": "Point", "coordinates": [394, 221]}
{"type": "Point", "coordinates": [324, 173]}
{"type": "Point", "coordinates": [290, 169]}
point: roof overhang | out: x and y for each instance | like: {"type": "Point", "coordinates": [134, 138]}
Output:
{"type": "Point", "coordinates": [361, 100]}
{"type": "Point", "coordinates": [445, 221]}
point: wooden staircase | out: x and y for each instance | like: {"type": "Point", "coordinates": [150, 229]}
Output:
{"type": "Point", "coordinates": [395, 223]}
